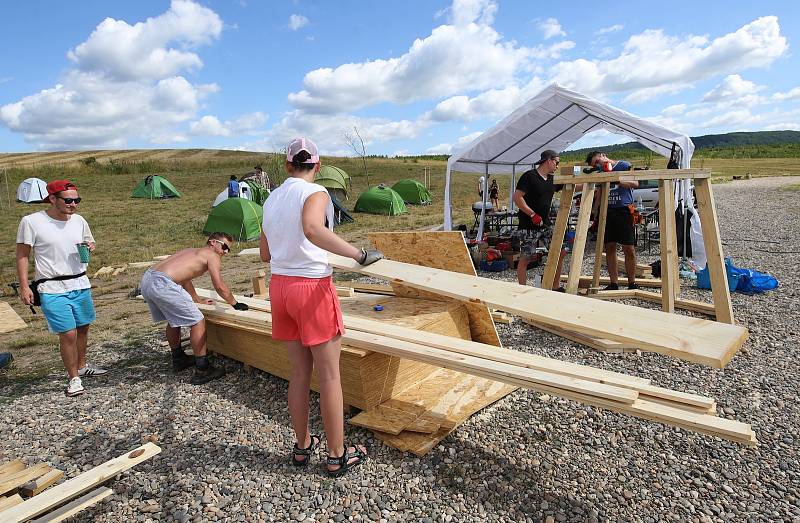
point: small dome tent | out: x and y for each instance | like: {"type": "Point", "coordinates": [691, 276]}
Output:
{"type": "Point", "coordinates": [412, 192]}
{"type": "Point", "coordinates": [155, 187]}
{"type": "Point", "coordinates": [336, 180]}
{"type": "Point", "coordinates": [239, 217]}
{"type": "Point", "coordinates": [380, 200]}
{"type": "Point", "coordinates": [244, 192]}
{"type": "Point", "coordinates": [32, 190]}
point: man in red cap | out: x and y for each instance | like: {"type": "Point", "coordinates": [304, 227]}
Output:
{"type": "Point", "coordinates": [55, 236]}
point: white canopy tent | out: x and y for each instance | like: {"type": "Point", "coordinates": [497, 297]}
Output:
{"type": "Point", "coordinates": [554, 119]}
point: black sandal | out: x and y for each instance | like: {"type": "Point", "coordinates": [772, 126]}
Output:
{"type": "Point", "coordinates": [297, 451]}
{"type": "Point", "coordinates": [344, 461]}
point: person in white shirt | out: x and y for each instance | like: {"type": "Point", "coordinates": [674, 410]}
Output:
{"type": "Point", "coordinates": [297, 234]}
{"type": "Point", "coordinates": [55, 236]}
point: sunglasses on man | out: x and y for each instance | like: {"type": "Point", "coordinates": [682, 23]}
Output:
{"type": "Point", "coordinates": [70, 200]}
{"type": "Point", "coordinates": [224, 246]}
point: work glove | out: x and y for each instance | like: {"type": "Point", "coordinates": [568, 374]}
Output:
{"type": "Point", "coordinates": [370, 257]}
{"type": "Point", "coordinates": [536, 219]}
{"type": "Point", "coordinates": [239, 306]}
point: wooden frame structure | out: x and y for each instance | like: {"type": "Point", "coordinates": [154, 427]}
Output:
{"type": "Point", "coordinates": [670, 282]}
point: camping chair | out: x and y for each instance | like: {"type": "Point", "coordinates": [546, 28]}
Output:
{"type": "Point", "coordinates": [650, 231]}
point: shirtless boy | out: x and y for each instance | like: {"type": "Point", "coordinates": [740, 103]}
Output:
{"type": "Point", "coordinates": [167, 288]}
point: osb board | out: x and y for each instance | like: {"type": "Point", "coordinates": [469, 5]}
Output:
{"type": "Point", "coordinates": [9, 319]}
{"type": "Point", "coordinates": [440, 250]}
{"type": "Point", "coordinates": [368, 378]}
{"type": "Point", "coordinates": [450, 398]}
{"type": "Point", "coordinates": [387, 419]}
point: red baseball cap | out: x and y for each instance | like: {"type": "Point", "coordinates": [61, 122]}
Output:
{"type": "Point", "coordinates": [57, 186]}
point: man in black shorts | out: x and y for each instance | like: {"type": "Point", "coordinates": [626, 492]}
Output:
{"type": "Point", "coordinates": [619, 220]}
{"type": "Point", "coordinates": [533, 196]}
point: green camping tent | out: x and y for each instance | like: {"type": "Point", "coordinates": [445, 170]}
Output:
{"type": "Point", "coordinates": [258, 192]}
{"type": "Point", "coordinates": [155, 187]}
{"type": "Point", "coordinates": [412, 192]}
{"type": "Point", "coordinates": [334, 179]}
{"type": "Point", "coordinates": [380, 200]}
{"type": "Point", "coordinates": [239, 217]}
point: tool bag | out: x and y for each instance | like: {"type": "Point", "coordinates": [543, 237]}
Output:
{"type": "Point", "coordinates": [37, 299]}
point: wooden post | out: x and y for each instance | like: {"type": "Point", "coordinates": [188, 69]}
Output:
{"type": "Point", "coordinates": [601, 234]}
{"type": "Point", "coordinates": [549, 276]}
{"type": "Point", "coordinates": [668, 243]}
{"type": "Point", "coordinates": [260, 284]}
{"type": "Point", "coordinates": [713, 244]}
{"type": "Point", "coordinates": [581, 232]}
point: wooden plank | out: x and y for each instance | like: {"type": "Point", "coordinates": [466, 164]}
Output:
{"type": "Point", "coordinates": [666, 228]}
{"type": "Point", "coordinates": [713, 245]}
{"type": "Point", "coordinates": [581, 232]}
{"type": "Point", "coordinates": [9, 319]}
{"type": "Point", "coordinates": [372, 288]}
{"type": "Point", "coordinates": [624, 176]}
{"type": "Point", "coordinates": [76, 486]}
{"type": "Point", "coordinates": [424, 426]}
{"type": "Point", "coordinates": [557, 242]}
{"type": "Point", "coordinates": [9, 502]}
{"type": "Point", "coordinates": [75, 506]}
{"type": "Point", "coordinates": [260, 284]}
{"type": "Point", "coordinates": [642, 270]}
{"type": "Point", "coordinates": [16, 479]}
{"type": "Point", "coordinates": [37, 485]}
{"type": "Point", "coordinates": [253, 251]}
{"type": "Point", "coordinates": [608, 346]}
{"type": "Point", "coordinates": [680, 303]}
{"type": "Point", "coordinates": [586, 281]}
{"type": "Point", "coordinates": [691, 339]}
{"type": "Point", "coordinates": [345, 292]}
{"type": "Point", "coordinates": [502, 317]}
{"type": "Point", "coordinates": [438, 250]}
{"type": "Point", "coordinates": [385, 419]}
{"type": "Point", "coordinates": [11, 467]}
{"type": "Point", "coordinates": [599, 255]}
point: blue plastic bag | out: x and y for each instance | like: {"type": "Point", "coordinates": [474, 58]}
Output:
{"type": "Point", "coordinates": [742, 280]}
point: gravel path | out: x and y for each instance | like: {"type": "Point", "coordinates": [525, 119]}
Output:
{"type": "Point", "coordinates": [528, 457]}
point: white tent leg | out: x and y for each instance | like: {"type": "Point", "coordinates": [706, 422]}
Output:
{"type": "Point", "coordinates": [448, 211]}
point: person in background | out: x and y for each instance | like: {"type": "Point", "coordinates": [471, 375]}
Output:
{"type": "Point", "coordinates": [533, 197]}
{"type": "Point", "coordinates": [65, 291]}
{"type": "Point", "coordinates": [306, 315]}
{"type": "Point", "coordinates": [233, 187]}
{"type": "Point", "coordinates": [5, 359]}
{"type": "Point", "coordinates": [619, 220]}
{"type": "Point", "coordinates": [168, 290]}
{"type": "Point", "coordinates": [494, 195]}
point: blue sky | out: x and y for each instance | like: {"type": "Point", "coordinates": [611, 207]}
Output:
{"type": "Point", "coordinates": [413, 76]}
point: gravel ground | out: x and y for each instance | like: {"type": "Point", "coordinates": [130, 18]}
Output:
{"type": "Point", "coordinates": [528, 457]}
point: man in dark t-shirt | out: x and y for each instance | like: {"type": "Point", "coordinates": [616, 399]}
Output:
{"type": "Point", "coordinates": [533, 196]}
{"type": "Point", "coordinates": [619, 221]}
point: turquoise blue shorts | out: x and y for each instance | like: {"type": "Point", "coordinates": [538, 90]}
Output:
{"type": "Point", "coordinates": [68, 311]}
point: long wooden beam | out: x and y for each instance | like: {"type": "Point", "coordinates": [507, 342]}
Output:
{"type": "Point", "coordinates": [625, 176]}
{"type": "Point", "coordinates": [690, 339]}
{"type": "Point", "coordinates": [679, 409]}
{"type": "Point", "coordinates": [76, 486]}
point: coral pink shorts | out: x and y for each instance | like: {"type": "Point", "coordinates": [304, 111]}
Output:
{"type": "Point", "coordinates": [304, 309]}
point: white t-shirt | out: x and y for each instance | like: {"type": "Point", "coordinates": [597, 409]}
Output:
{"type": "Point", "coordinates": [55, 251]}
{"type": "Point", "coordinates": [292, 253]}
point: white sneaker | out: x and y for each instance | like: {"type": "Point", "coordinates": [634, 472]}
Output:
{"type": "Point", "coordinates": [75, 387]}
{"type": "Point", "coordinates": [90, 370]}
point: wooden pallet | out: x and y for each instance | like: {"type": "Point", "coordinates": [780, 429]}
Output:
{"type": "Point", "coordinates": [9, 319]}
{"type": "Point", "coordinates": [56, 503]}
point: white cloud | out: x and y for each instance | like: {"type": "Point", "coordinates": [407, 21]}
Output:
{"type": "Point", "coordinates": [610, 29]}
{"type": "Point", "coordinates": [551, 28]}
{"type": "Point", "coordinates": [465, 54]}
{"type": "Point", "coordinates": [297, 21]}
{"type": "Point", "coordinates": [732, 87]}
{"type": "Point", "coordinates": [449, 148]}
{"type": "Point", "coordinates": [137, 52]}
{"type": "Point", "coordinates": [793, 94]}
{"type": "Point", "coordinates": [125, 84]}
{"type": "Point", "coordinates": [642, 95]}
{"type": "Point", "coordinates": [210, 125]}
{"type": "Point", "coordinates": [653, 59]}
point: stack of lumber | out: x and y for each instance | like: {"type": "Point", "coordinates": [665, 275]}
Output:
{"type": "Point", "coordinates": [115, 270]}
{"type": "Point", "coordinates": [64, 500]}
{"type": "Point", "coordinates": [617, 392]}
{"type": "Point", "coordinates": [691, 339]}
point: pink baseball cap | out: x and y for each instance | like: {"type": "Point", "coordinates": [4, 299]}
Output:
{"type": "Point", "coordinates": [302, 144]}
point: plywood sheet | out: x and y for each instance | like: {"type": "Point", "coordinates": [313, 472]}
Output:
{"type": "Point", "coordinates": [385, 419]}
{"type": "Point", "coordinates": [9, 319]}
{"type": "Point", "coordinates": [439, 250]}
